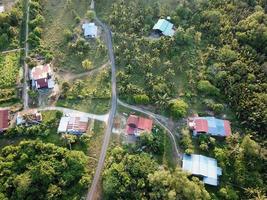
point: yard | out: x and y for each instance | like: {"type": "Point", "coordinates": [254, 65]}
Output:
{"type": "Point", "coordinates": [63, 36]}
{"type": "Point", "coordinates": [91, 94]}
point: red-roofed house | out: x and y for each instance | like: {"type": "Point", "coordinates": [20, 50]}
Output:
{"type": "Point", "coordinates": [41, 77]}
{"type": "Point", "coordinates": [210, 125]}
{"type": "Point", "coordinates": [137, 125]}
{"type": "Point", "coordinates": [4, 118]}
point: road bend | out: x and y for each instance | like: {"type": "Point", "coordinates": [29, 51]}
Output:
{"type": "Point", "coordinates": [92, 190]}
{"type": "Point", "coordinates": [26, 67]}
{"type": "Point", "coordinates": [157, 118]}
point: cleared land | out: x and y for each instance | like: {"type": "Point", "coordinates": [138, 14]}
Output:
{"type": "Point", "coordinates": [91, 94]}
{"type": "Point", "coordinates": [62, 19]}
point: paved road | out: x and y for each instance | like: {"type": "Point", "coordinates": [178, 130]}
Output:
{"type": "Point", "coordinates": [103, 118]}
{"type": "Point", "coordinates": [92, 190]}
{"type": "Point", "coordinates": [26, 68]}
{"type": "Point", "coordinates": [157, 118]}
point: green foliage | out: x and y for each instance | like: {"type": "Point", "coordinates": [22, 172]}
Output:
{"type": "Point", "coordinates": [10, 24]}
{"type": "Point", "coordinates": [90, 14]}
{"type": "Point", "coordinates": [141, 99]}
{"type": "Point", "coordinates": [125, 175]}
{"type": "Point", "coordinates": [87, 64]}
{"type": "Point", "coordinates": [175, 185]}
{"type": "Point", "coordinates": [242, 162]}
{"type": "Point", "coordinates": [205, 87]}
{"type": "Point", "coordinates": [178, 108]}
{"type": "Point", "coordinates": [153, 142]}
{"type": "Point", "coordinates": [9, 68]}
{"type": "Point", "coordinates": [186, 141]}
{"type": "Point", "coordinates": [52, 172]}
{"type": "Point", "coordinates": [136, 176]}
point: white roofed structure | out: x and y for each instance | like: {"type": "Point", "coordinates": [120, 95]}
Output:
{"type": "Point", "coordinates": [202, 166]}
{"type": "Point", "coordinates": [90, 30]}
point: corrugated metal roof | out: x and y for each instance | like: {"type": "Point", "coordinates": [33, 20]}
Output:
{"type": "Point", "coordinates": [165, 27]}
{"type": "Point", "coordinates": [75, 125]}
{"type": "Point", "coordinates": [202, 166]}
{"type": "Point", "coordinates": [216, 127]}
{"type": "Point", "coordinates": [136, 124]}
{"type": "Point", "coordinates": [90, 29]}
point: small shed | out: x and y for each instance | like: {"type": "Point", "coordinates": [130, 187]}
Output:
{"type": "Point", "coordinates": [73, 125]}
{"type": "Point", "coordinates": [164, 27]}
{"type": "Point", "coordinates": [29, 118]}
{"type": "Point", "coordinates": [4, 119]}
{"type": "Point", "coordinates": [202, 166]}
{"type": "Point", "coordinates": [90, 30]}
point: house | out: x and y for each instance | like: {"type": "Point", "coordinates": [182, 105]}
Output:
{"type": "Point", "coordinates": [41, 77]}
{"type": "Point", "coordinates": [29, 118]}
{"type": "Point", "coordinates": [137, 125]}
{"type": "Point", "coordinates": [90, 30]}
{"type": "Point", "coordinates": [4, 119]}
{"type": "Point", "coordinates": [210, 125]}
{"type": "Point", "coordinates": [2, 9]}
{"type": "Point", "coordinates": [164, 27]}
{"type": "Point", "coordinates": [202, 166]}
{"type": "Point", "coordinates": [73, 125]}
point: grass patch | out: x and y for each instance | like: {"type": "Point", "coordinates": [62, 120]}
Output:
{"type": "Point", "coordinates": [96, 106]}
{"type": "Point", "coordinates": [95, 142]}
{"type": "Point", "coordinates": [90, 95]}
{"type": "Point", "coordinates": [62, 17]}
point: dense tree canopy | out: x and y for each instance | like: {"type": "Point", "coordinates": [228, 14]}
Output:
{"type": "Point", "coordinates": [35, 170]}
{"type": "Point", "coordinates": [138, 176]}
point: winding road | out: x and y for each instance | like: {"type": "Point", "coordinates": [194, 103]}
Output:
{"type": "Point", "coordinates": [157, 118]}
{"type": "Point", "coordinates": [92, 190]}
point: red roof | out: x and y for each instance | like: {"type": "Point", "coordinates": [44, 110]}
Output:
{"type": "Point", "coordinates": [227, 128]}
{"type": "Point", "coordinates": [201, 125]}
{"type": "Point", "coordinates": [135, 123]}
{"type": "Point", "coordinates": [40, 71]}
{"type": "Point", "coordinates": [145, 124]}
{"type": "Point", "coordinates": [3, 120]}
{"type": "Point", "coordinates": [42, 83]}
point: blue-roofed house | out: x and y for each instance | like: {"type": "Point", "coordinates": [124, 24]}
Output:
{"type": "Point", "coordinates": [202, 166]}
{"type": "Point", "coordinates": [164, 27]}
{"type": "Point", "coordinates": [90, 30]}
{"type": "Point", "coordinates": [210, 125]}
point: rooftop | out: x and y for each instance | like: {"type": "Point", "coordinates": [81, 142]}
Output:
{"type": "Point", "coordinates": [73, 125]}
{"type": "Point", "coordinates": [2, 9]}
{"type": "Point", "coordinates": [165, 27]}
{"type": "Point", "coordinates": [203, 166]}
{"type": "Point", "coordinates": [4, 119]}
{"type": "Point", "coordinates": [41, 72]}
{"type": "Point", "coordinates": [136, 124]}
{"type": "Point", "coordinates": [90, 30]}
{"type": "Point", "coordinates": [210, 125]}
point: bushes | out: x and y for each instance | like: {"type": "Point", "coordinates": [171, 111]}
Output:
{"type": "Point", "coordinates": [205, 87]}
{"type": "Point", "coordinates": [141, 99]}
{"type": "Point", "coordinates": [178, 108]}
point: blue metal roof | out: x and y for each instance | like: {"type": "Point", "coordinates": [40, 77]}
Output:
{"type": "Point", "coordinates": [165, 27]}
{"type": "Point", "coordinates": [216, 126]}
{"type": "Point", "coordinates": [202, 166]}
